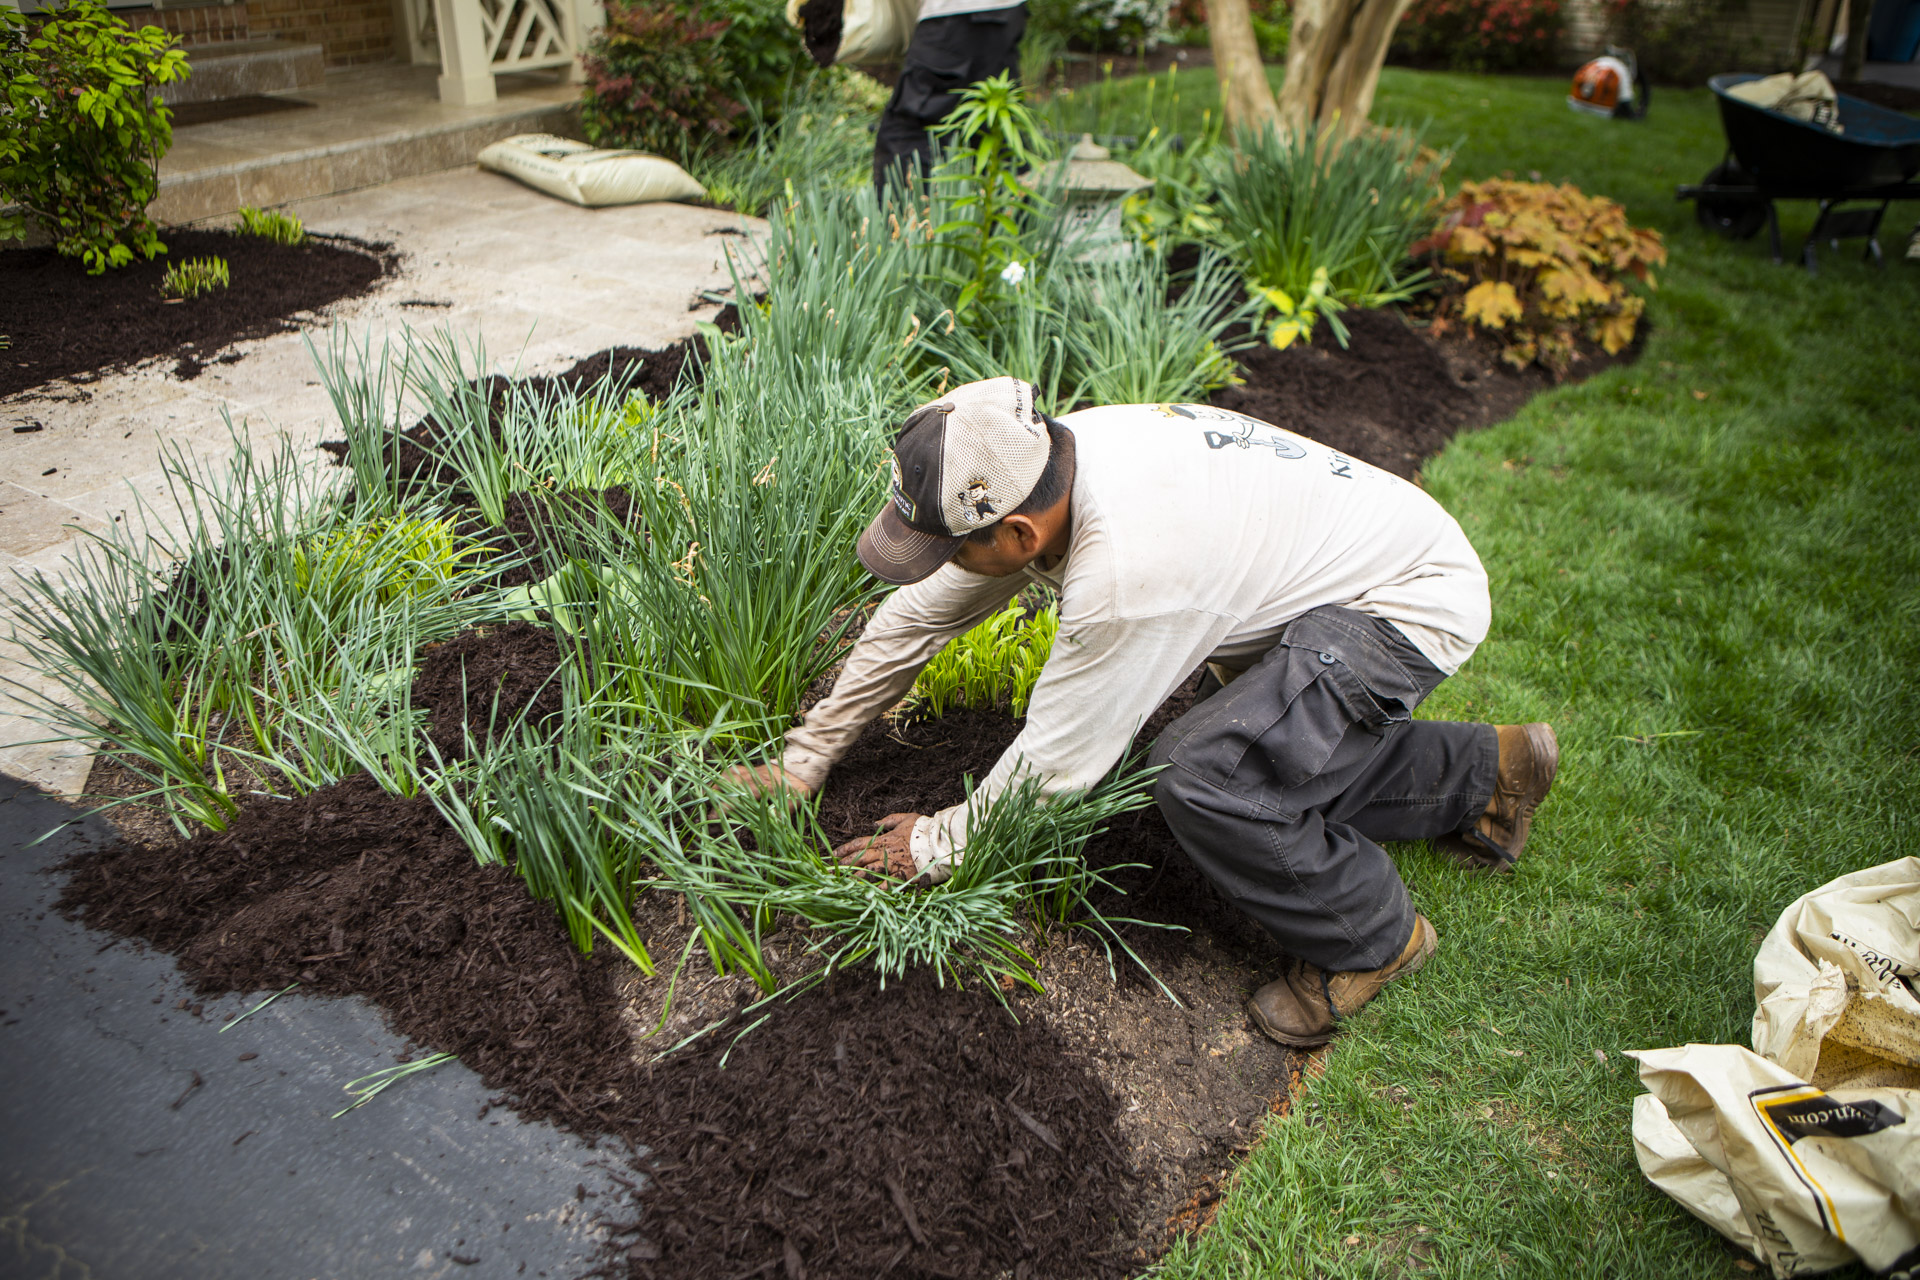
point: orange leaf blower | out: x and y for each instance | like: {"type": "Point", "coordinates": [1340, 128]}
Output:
{"type": "Point", "coordinates": [1610, 85]}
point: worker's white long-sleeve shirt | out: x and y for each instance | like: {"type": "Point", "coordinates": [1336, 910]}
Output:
{"type": "Point", "coordinates": [1197, 534]}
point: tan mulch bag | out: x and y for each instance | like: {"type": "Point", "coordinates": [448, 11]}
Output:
{"type": "Point", "coordinates": [588, 175]}
{"type": "Point", "coordinates": [1802, 1152]}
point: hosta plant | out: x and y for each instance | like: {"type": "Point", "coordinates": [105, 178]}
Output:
{"type": "Point", "coordinates": [994, 665]}
{"type": "Point", "coordinates": [1544, 266]}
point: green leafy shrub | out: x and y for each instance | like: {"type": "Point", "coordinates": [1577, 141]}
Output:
{"type": "Point", "coordinates": [669, 77]}
{"type": "Point", "coordinates": [994, 665]}
{"type": "Point", "coordinates": [1292, 205]}
{"type": "Point", "coordinates": [84, 129]}
{"type": "Point", "coordinates": [1543, 265]}
{"type": "Point", "coordinates": [194, 277]}
{"type": "Point", "coordinates": [1684, 41]}
{"type": "Point", "coordinates": [655, 79]}
{"type": "Point", "coordinates": [272, 224]}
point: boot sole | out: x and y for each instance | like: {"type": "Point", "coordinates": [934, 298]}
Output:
{"type": "Point", "coordinates": [1429, 943]}
{"type": "Point", "coordinates": [1472, 849]}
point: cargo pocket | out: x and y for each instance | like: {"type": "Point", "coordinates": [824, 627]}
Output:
{"type": "Point", "coordinates": [930, 85]}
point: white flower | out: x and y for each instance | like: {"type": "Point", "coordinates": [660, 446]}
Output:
{"type": "Point", "coordinates": [1013, 273]}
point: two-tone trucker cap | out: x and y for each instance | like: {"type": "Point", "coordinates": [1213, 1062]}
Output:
{"type": "Point", "coordinates": [959, 465]}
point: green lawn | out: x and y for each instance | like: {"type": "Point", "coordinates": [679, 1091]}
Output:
{"type": "Point", "coordinates": [1706, 575]}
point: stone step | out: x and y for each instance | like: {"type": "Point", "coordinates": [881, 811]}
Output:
{"type": "Point", "coordinates": [243, 68]}
{"type": "Point", "coordinates": [346, 164]}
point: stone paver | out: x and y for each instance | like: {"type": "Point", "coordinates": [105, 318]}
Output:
{"type": "Point", "coordinates": [539, 282]}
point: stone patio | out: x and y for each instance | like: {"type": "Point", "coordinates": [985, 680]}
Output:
{"type": "Point", "coordinates": [540, 282]}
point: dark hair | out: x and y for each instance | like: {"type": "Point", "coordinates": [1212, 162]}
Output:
{"type": "Point", "coordinates": [1056, 479]}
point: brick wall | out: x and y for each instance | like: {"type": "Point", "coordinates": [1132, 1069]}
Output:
{"type": "Point", "coordinates": [203, 24]}
{"type": "Point", "coordinates": [350, 31]}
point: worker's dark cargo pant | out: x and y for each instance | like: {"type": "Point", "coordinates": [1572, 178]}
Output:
{"type": "Point", "coordinates": [1279, 785]}
{"type": "Point", "coordinates": [946, 55]}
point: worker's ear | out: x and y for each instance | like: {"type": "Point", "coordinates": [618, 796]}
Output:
{"type": "Point", "coordinates": [1020, 535]}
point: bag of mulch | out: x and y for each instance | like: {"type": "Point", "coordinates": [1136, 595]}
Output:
{"type": "Point", "coordinates": [856, 32]}
{"type": "Point", "coordinates": [587, 175]}
{"type": "Point", "coordinates": [1808, 97]}
{"type": "Point", "coordinates": [1800, 1150]}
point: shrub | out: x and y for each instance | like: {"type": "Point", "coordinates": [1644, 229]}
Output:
{"type": "Point", "coordinates": [1685, 41]}
{"type": "Point", "coordinates": [655, 79]}
{"type": "Point", "coordinates": [1293, 205]}
{"type": "Point", "coordinates": [1129, 25]}
{"type": "Point", "coordinates": [192, 278]}
{"type": "Point", "coordinates": [664, 76]}
{"type": "Point", "coordinates": [1479, 35]}
{"type": "Point", "coordinates": [84, 129]}
{"type": "Point", "coordinates": [1544, 266]}
{"type": "Point", "coordinates": [281, 228]}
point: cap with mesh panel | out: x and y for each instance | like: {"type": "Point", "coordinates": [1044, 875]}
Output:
{"type": "Point", "coordinates": [959, 465]}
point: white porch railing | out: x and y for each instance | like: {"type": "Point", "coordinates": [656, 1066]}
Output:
{"type": "Point", "coordinates": [476, 40]}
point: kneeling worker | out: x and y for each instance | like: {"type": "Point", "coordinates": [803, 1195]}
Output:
{"type": "Point", "coordinates": [1331, 597]}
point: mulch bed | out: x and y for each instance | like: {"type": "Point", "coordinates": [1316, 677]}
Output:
{"type": "Point", "coordinates": [65, 323]}
{"type": "Point", "coordinates": [856, 1131]}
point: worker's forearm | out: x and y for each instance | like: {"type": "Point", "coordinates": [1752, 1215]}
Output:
{"type": "Point", "coordinates": [908, 628]}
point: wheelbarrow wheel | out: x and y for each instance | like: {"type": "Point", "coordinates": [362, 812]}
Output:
{"type": "Point", "coordinates": [1735, 217]}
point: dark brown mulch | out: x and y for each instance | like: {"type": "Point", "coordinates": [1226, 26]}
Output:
{"type": "Point", "coordinates": [482, 682]}
{"type": "Point", "coordinates": [65, 323]}
{"type": "Point", "coordinates": [856, 1131]}
{"type": "Point", "coordinates": [1394, 395]}
{"type": "Point", "coordinates": [911, 1129]}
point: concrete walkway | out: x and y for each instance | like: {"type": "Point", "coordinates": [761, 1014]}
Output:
{"type": "Point", "coordinates": [541, 282]}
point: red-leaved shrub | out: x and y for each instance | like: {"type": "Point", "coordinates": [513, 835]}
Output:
{"type": "Point", "coordinates": [655, 80]}
{"type": "Point", "coordinates": [1479, 35]}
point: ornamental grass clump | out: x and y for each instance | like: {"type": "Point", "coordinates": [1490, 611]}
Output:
{"type": "Point", "coordinates": [272, 224]}
{"type": "Point", "coordinates": [1543, 266]}
{"type": "Point", "coordinates": [1022, 872]}
{"type": "Point", "coordinates": [233, 640]}
{"type": "Point", "coordinates": [1318, 222]}
{"type": "Point", "coordinates": [194, 277]}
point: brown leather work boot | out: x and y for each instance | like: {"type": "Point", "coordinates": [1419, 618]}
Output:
{"type": "Point", "coordinates": [1301, 1006]}
{"type": "Point", "coordinates": [1529, 757]}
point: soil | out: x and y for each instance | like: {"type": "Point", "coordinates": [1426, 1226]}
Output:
{"type": "Point", "coordinates": [482, 682]}
{"type": "Point", "coordinates": [1064, 1138]}
{"type": "Point", "coordinates": [65, 323]}
{"type": "Point", "coordinates": [653, 373]}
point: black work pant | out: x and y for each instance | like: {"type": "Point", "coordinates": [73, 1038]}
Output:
{"type": "Point", "coordinates": [1280, 785]}
{"type": "Point", "coordinates": [946, 55]}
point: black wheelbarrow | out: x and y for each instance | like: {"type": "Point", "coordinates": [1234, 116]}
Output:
{"type": "Point", "coordinates": [1772, 157]}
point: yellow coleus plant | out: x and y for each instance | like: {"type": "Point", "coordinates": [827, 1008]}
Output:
{"type": "Point", "coordinates": [1544, 265]}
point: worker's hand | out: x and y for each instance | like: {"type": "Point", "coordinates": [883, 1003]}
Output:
{"type": "Point", "coordinates": [761, 780]}
{"type": "Point", "coordinates": [888, 852]}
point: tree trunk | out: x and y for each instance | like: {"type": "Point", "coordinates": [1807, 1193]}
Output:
{"type": "Point", "coordinates": [1245, 96]}
{"type": "Point", "coordinates": [1333, 63]}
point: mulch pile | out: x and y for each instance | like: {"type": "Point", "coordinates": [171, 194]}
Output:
{"type": "Point", "coordinates": [481, 683]}
{"type": "Point", "coordinates": [65, 323]}
{"type": "Point", "coordinates": [857, 1131]}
